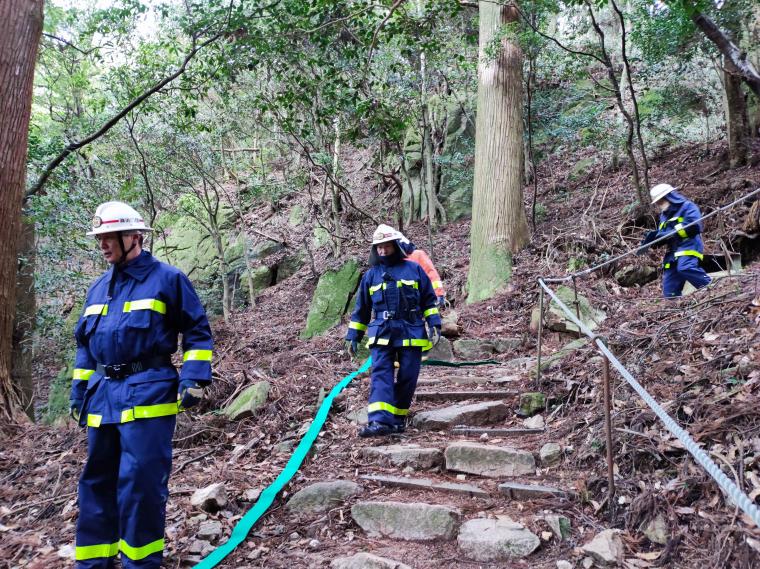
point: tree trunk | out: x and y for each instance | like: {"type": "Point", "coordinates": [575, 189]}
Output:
{"type": "Point", "coordinates": [736, 116]}
{"type": "Point", "coordinates": [499, 225]}
{"type": "Point", "coordinates": [26, 307]}
{"type": "Point", "coordinates": [20, 28]}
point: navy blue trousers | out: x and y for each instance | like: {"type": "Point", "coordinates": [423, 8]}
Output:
{"type": "Point", "coordinates": [122, 494]}
{"type": "Point", "coordinates": [389, 398]}
{"type": "Point", "coordinates": [681, 270]}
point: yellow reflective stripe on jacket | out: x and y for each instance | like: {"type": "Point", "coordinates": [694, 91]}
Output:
{"type": "Point", "coordinates": [197, 355]}
{"type": "Point", "coordinates": [681, 231]}
{"type": "Point", "coordinates": [677, 219]}
{"type": "Point", "coordinates": [149, 411]}
{"type": "Point", "coordinates": [357, 326]}
{"type": "Point", "coordinates": [402, 282]}
{"type": "Point", "coordinates": [430, 311]}
{"type": "Point", "coordinates": [417, 343]}
{"type": "Point", "coordinates": [95, 309]}
{"type": "Point", "coordinates": [690, 253]}
{"type": "Point", "coordinates": [382, 406]}
{"type": "Point", "coordinates": [85, 552]}
{"type": "Point", "coordinates": [82, 374]}
{"type": "Point", "coordinates": [378, 341]}
{"type": "Point", "coordinates": [437, 284]}
{"type": "Point", "coordinates": [94, 420]}
{"type": "Point", "coordinates": [372, 289]}
{"type": "Point", "coordinates": [137, 553]}
{"type": "Point", "coordinates": [145, 304]}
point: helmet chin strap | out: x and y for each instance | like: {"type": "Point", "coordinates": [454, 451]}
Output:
{"type": "Point", "coordinates": [124, 252]}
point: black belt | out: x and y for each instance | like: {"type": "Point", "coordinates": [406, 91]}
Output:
{"type": "Point", "coordinates": [120, 371]}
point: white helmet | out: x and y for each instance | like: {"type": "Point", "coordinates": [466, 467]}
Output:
{"type": "Point", "coordinates": [116, 216]}
{"type": "Point", "coordinates": [660, 191]}
{"type": "Point", "coordinates": [385, 233]}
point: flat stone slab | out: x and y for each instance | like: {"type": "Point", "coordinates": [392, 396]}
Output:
{"type": "Point", "coordinates": [404, 455]}
{"type": "Point", "coordinates": [366, 561]}
{"type": "Point", "coordinates": [462, 395]}
{"type": "Point", "coordinates": [530, 491]}
{"type": "Point", "coordinates": [473, 414]}
{"type": "Point", "coordinates": [322, 496]}
{"type": "Point", "coordinates": [414, 521]}
{"type": "Point", "coordinates": [426, 484]}
{"type": "Point", "coordinates": [512, 432]}
{"type": "Point", "coordinates": [496, 540]}
{"type": "Point", "coordinates": [488, 460]}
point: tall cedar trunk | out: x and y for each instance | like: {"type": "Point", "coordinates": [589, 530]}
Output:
{"type": "Point", "coordinates": [26, 306]}
{"type": "Point", "coordinates": [20, 28]}
{"type": "Point", "coordinates": [499, 225]}
{"type": "Point", "coordinates": [736, 116]}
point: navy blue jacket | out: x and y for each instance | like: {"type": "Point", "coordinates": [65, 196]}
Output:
{"type": "Point", "coordinates": [683, 241]}
{"type": "Point", "coordinates": [152, 303]}
{"type": "Point", "coordinates": [392, 305]}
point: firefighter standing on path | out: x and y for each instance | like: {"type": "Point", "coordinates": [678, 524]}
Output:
{"type": "Point", "coordinates": [128, 393]}
{"type": "Point", "coordinates": [395, 299]}
{"type": "Point", "coordinates": [423, 260]}
{"type": "Point", "coordinates": [685, 249]}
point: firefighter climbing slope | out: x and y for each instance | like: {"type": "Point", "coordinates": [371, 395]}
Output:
{"type": "Point", "coordinates": [685, 249]}
{"type": "Point", "coordinates": [128, 393]}
{"type": "Point", "coordinates": [395, 299]}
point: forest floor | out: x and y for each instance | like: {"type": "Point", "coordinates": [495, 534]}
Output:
{"type": "Point", "coordinates": [699, 356]}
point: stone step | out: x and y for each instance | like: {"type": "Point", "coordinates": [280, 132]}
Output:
{"type": "Point", "coordinates": [473, 414]}
{"type": "Point", "coordinates": [404, 455]}
{"type": "Point", "coordinates": [488, 460]}
{"type": "Point", "coordinates": [469, 490]}
{"type": "Point", "coordinates": [462, 395]}
{"type": "Point", "coordinates": [496, 432]}
{"type": "Point", "coordinates": [496, 540]}
{"type": "Point", "coordinates": [414, 521]}
{"type": "Point", "coordinates": [530, 491]}
{"type": "Point", "coordinates": [479, 379]}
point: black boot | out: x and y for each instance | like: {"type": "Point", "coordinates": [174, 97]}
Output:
{"type": "Point", "coordinates": [375, 429]}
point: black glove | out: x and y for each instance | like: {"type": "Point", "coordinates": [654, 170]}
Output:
{"type": "Point", "coordinates": [352, 346]}
{"type": "Point", "coordinates": [648, 238]}
{"type": "Point", "coordinates": [190, 393]}
{"type": "Point", "coordinates": [435, 335]}
{"type": "Point", "coordinates": [75, 409]}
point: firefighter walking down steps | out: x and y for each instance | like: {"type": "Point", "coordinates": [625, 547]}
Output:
{"type": "Point", "coordinates": [395, 299]}
{"type": "Point", "coordinates": [128, 393]}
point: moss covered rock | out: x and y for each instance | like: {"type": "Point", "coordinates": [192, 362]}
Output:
{"type": "Point", "coordinates": [328, 304]}
{"type": "Point", "coordinates": [248, 402]}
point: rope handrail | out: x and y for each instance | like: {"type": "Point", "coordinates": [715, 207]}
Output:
{"type": "Point", "coordinates": [735, 493]}
{"type": "Point", "coordinates": [590, 270]}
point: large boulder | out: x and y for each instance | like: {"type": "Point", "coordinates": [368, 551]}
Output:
{"type": "Point", "coordinates": [633, 275]}
{"type": "Point", "coordinates": [289, 265]}
{"type": "Point", "coordinates": [441, 351]}
{"type": "Point", "coordinates": [488, 460]}
{"type": "Point", "coordinates": [496, 540]}
{"type": "Point", "coordinates": [322, 496]}
{"type": "Point", "coordinates": [328, 304]}
{"type": "Point", "coordinates": [411, 522]}
{"type": "Point", "coordinates": [248, 402]}
{"type": "Point", "coordinates": [556, 320]}
{"type": "Point", "coordinates": [473, 349]}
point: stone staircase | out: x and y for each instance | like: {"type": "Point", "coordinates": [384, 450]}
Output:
{"type": "Point", "coordinates": [467, 476]}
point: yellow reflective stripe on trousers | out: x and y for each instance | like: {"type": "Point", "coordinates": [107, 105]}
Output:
{"type": "Point", "coordinates": [94, 420]}
{"type": "Point", "coordinates": [85, 552]}
{"type": "Point", "coordinates": [197, 355]}
{"type": "Point", "coordinates": [149, 411]}
{"type": "Point", "coordinates": [82, 374]}
{"type": "Point", "coordinates": [95, 309]}
{"type": "Point", "coordinates": [430, 311]}
{"type": "Point", "coordinates": [145, 304]}
{"type": "Point", "coordinates": [402, 282]}
{"type": "Point", "coordinates": [381, 406]}
{"type": "Point", "coordinates": [690, 253]}
{"type": "Point", "coordinates": [137, 553]}
{"type": "Point", "coordinates": [357, 326]}
{"type": "Point", "coordinates": [681, 231]}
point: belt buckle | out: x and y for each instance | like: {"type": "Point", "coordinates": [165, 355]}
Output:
{"type": "Point", "coordinates": [388, 314]}
{"type": "Point", "coordinates": [115, 371]}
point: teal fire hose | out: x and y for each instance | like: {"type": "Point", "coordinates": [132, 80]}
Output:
{"type": "Point", "coordinates": [244, 526]}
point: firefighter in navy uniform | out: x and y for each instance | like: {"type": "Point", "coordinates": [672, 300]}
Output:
{"type": "Point", "coordinates": [128, 393]}
{"type": "Point", "coordinates": [682, 259]}
{"type": "Point", "coordinates": [395, 299]}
